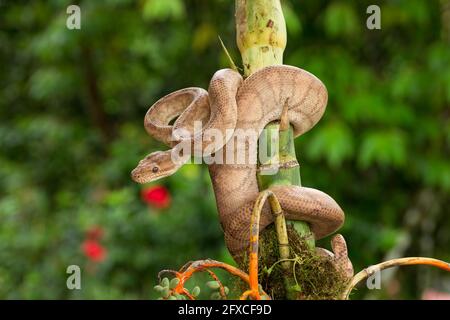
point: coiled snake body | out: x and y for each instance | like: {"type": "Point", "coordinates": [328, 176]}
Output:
{"type": "Point", "coordinates": [234, 107]}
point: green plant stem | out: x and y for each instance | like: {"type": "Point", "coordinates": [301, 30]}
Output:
{"type": "Point", "coordinates": [260, 33]}
{"type": "Point", "coordinates": [261, 38]}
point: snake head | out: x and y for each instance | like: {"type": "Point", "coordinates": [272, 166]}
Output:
{"type": "Point", "coordinates": [154, 166]}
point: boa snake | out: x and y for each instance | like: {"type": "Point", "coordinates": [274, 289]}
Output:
{"type": "Point", "coordinates": [231, 106]}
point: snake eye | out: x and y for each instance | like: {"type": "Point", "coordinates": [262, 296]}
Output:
{"type": "Point", "coordinates": [155, 169]}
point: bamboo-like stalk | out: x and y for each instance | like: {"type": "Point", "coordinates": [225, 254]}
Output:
{"type": "Point", "coordinates": [260, 33]}
{"type": "Point", "coordinates": [285, 162]}
{"type": "Point", "coordinates": [261, 38]}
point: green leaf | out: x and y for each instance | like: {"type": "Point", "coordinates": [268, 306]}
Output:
{"type": "Point", "coordinates": [158, 288]}
{"type": "Point", "coordinates": [173, 283]}
{"type": "Point", "coordinates": [213, 285]}
{"type": "Point", "coordinates": [165, 293]}
{"type": "Point", "coordinates": [297, 288]}
{"type": "Point", "coordinates": [341, 20]}
{"type": "Point", "coordinates": [333, 143]}
{"type": "Point", "coordinates": [161, 10]}
{"type": "Point", "coordinates": [196, 291]}
{"type": "Point", "coordinates": [165, 282]}
{"type": "Point", "coordinates": [385, 148]}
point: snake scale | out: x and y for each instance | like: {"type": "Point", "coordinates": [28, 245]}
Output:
{"type": "Point", "coordinates": [231, 106]}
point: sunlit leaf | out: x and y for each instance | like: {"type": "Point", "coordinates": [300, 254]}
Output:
{"type": "Point", "coordinates": [334, 143]}
{"type": "Point", "coordinates": [385, 148]}
{"type": "Point", "coordinates": [160, 10]}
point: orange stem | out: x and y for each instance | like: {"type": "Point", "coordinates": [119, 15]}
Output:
{"type": "Point", "coordinates": [204, 265]}
{"type": "Point", "coordinates": [393, 263]}
{"type": "Point", "coordinates": [254, 239]}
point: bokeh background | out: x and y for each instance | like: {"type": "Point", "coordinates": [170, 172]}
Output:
{"type": "Point", "coordinates": [72, 104]}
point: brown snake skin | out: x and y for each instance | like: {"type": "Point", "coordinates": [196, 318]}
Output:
{"type": "Point", "coordinates": [231, 103]}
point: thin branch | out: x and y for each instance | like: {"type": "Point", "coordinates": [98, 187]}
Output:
{"type": "Point", "coordinates": [367, 272]}
{"type": "Point", "coordinates": [221, 287]}
{"type": "Point", "coordinates": [205, 265]}
{"type": "Point", "coordinates": [280, 225]}
{"type": "Point", "coordinates": [232, 64]}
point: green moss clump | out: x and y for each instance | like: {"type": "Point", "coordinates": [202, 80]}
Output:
{"type": "Point", "coordinates": [315, 276]}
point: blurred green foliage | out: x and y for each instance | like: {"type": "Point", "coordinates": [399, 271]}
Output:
{"type": "Point", "coordinates": [72, 104]}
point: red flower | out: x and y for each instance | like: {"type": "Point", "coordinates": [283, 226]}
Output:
{"type": "Point", "coordinates": [93, 250]}
{"type": "Point", "coordinates": [156, 196]}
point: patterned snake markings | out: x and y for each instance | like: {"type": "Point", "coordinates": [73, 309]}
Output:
{"type": "Point", "coordinates": [231, 106]}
